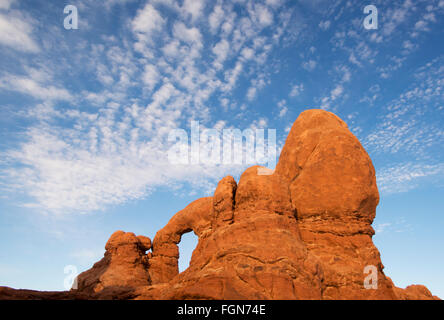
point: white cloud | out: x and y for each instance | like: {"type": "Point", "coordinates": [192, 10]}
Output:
{"type": "Point", "coordinates": [193, 8]}
{"type": "Point", "coordinates": [145, 25]}
{"type": "Point", "coordinates": [260, 14]}
{"type": "Point", "coordinates": [147, 20]}
{"type": "Point", "coordinates": [190, 35]}
{"type": "Point", "coordinates": [221, 50]}
{"type": "Point", "coordinates": [283, 109]}
{"type": "Point", "coordinates": [247, 53]}
{"type": "Point", "coordinates": [231, 76]}
{"type": "Point", "coordinates": [379, 228]}
{"type": "Point", "coordinates": [172, 49]}
{"type": "Point", "coordinates": [309, 65]}
{"type": "Point", "coordinates": [283, 112]}
{"type": "Point", "coordinates": [324, 25]}
{"type": "Point", "coordinates": [396, 16]}
{"type": "Point", "coordinates": [6, 4]}
{"type": "Point", "coordinates": [259, 124]}
{"type": "Point", "coordinates": [408, 176]}
{"type": "Point", "coordinates": [33, 88]}
{"type": "Point", "coordinates": [15, 32]}
{"type": "Point", "coordinates": [408, 46]}
{"type": "Point", "coordinates": [116, 151]}
{"type": "Point", "coordinates": [345, 72]}
{"type": "Point", "coordinates": [228, 26]}
{"type": "Point", "coordinates": [296, 90]}
{"type": "Point", "coordinates": [399, 225]}
{"type": "Point", "coordinates": [251, 94]}
{"type": "Point", "coordinates": [256, 84]}
{"type": "Point", "coordinates": [334, 95]}
{"type": "Point", "coordinates": [403, 128]}
{"type": "Point", "coordinates": [274, 3]}
{"type": "Point", "coordinates": [337, 92]}
{"type": "Point", "coordinates": [150, 76]}
{"type": "Point", "coordinates": [103, 74]}
{"type": "Point", "coordinates": [421, 25]}
{"type": "Point", "coordinates": [215, 18]}
{"type": "Point", "coordinates": [108, 164]}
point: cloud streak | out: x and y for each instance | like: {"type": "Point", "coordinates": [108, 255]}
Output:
{"type": "Point", "coordinates": [16, 33]}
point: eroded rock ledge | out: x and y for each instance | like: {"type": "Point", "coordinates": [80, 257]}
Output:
{"type": "Point", "coordinates": [303, 232]}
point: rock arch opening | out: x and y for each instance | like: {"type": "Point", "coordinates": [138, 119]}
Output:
{"type": "Point", "coordinates": [187, 244]}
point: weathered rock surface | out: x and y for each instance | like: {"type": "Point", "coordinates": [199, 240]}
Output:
{"type": "Point", "coordinates": [334, 194]}
{"type": "Point", "coordinates": [415, 292]}
{"type": "Point", "coordinates": [303, 232]}
{"type": "Point", "coordinates": [109, 293]}
{"type": "Point", "coordinates": [258, 254]}
{"type": "Point", "coordinates": [195, 217]}
{"type": "Point", "coordinates": [124, 266]}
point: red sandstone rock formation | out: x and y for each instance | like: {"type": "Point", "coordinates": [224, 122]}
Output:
{"type": "Point", "coordinates": [125, 265]}
{"type": "Point", "coordinates": [334, 196]}
{"type": "Point", "coordinates": [303, 232]}
{"type": "Point", "coordinates": [415, 292]}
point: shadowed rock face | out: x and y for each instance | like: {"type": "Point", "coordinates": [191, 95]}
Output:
{"type": "Point", "coordinates": [303, 232]}
{"type": "Point", "coordinates": [125, 265]}
{"type": "Point", "coordinates": [415, 292]}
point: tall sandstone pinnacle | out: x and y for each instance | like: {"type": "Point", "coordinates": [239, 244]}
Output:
{"type": "Point", "coordinates": [302, 232]}
{"type": "Point", "coordinates": [334, 196]}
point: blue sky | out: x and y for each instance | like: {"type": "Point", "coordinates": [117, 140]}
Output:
{"type": "Point", "coordinates": [85, 116]}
